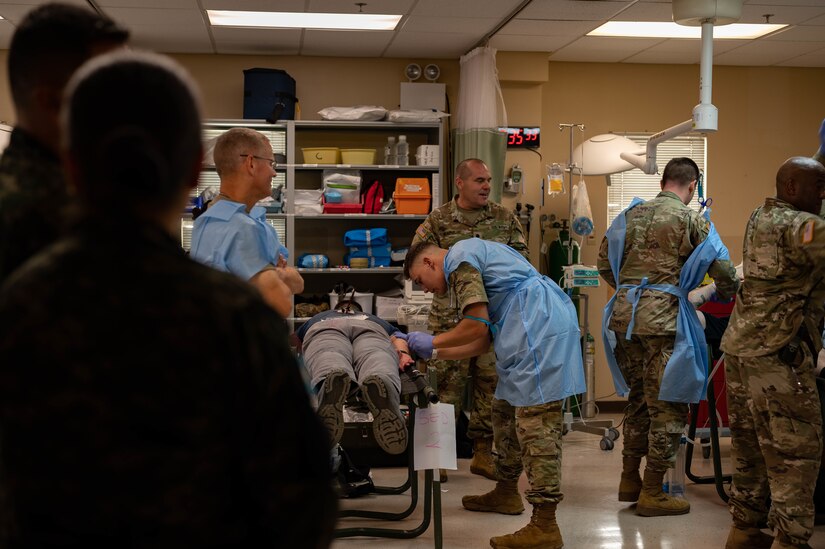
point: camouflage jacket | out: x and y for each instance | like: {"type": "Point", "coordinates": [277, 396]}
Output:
{"type": "Point", "coordinates": [661, 235]}
{"type": "Point", "coordinates": [32, 195]}
{"type": "Point", "coordinates": [784, 282]}
{"type": "Point", "coordinates": [449, 224]}
{"type": "Point", "coordinates": [156, 402]}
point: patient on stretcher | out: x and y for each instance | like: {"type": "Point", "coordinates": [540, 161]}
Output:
{"type": "Point", "coordinates": [349, 353]}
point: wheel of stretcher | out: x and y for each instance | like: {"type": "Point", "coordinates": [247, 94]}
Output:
{"type": "Point", "coordinates": [606, 444]}
{"type": "Point", "coordinates": [613, 433]}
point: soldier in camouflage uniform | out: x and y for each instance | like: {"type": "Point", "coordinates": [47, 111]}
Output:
{"type": "Point", "coordinates": [470, 215]}
{"type": "Point", "coordinates": [534, 328]}
{"type": "Point", "coordinates": [50, 43]}
{"type": "Point", "coordinates": [771, 346]}
{"type": "Point", "coordinates": [661, 234]}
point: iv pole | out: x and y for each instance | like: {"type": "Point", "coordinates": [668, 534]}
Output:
{"type": "Point", "coordinates": [604, 428]}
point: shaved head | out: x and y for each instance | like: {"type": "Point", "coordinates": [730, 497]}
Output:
{"type": "Point", "coordinates": [801, 181]}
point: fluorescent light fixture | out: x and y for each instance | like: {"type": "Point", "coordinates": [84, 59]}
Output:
{"type": "Point", "coordinates": [294, 20]}
{"type": "Point", "coordinates": [657, 29]}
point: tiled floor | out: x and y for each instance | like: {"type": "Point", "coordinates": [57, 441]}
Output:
{"type": "Point", "coordinates": [590, 516]}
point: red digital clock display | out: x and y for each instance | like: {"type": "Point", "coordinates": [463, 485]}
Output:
{"type": "Point", "coordinates": [522, 138]}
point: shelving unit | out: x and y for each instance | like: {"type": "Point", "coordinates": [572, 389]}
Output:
{"type": "Point", "coordinates": [324, 233]}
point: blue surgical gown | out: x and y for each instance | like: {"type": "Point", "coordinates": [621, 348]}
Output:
{"type": "Point", "coordinates": [538, 350]}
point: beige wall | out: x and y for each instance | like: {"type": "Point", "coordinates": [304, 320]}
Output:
{"type": "Point", "coordinates": [765, 116]}
{"type": "Point", "coordinates": [321, 81]}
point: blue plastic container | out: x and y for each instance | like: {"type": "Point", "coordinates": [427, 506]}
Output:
{"type": "Point", "coordinates": [268, 94]}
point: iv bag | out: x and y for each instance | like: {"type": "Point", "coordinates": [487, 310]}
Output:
{"type": "Point", "coordinates": [555, 177]}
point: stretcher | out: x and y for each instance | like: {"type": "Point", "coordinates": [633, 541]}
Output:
{"type": "Point", "coordinates": [417, 395]}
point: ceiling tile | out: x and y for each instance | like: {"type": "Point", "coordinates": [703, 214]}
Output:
{"type": "Point", "coordinates": [609, 50]}
{"type": "Point", "coordinates": [257, 41]}
{"type": "Point", "coordinates": [15, 12]}
{"type": "Point", "coordinates": [575, 10]}
{"type": "Point", "coordinates": [790, 15]}
{"type": "Point", "coordinates": [345, 43]}
{"type": "Point", "coordinates": [678, 51]}
{"type": "Point", "coordinates": [815, 21]}
{"type": "Point", "coordinates": [546, 43]}
{"type": "Point", "coordinates": [166, 4]}
{"type": "Point", "coordinates": [784, 2]}
{"type": "Point", "coordinates": [765, 53]}
{"type": "Point", "coordinates": [134, 17]}
{"type": "Point", "coordinates": [417, 23]}
{"type": "Point", "coordinates": [812, 59]}
{"type": "Point", "coordinates": [800, 33]}
{"type": "Point", "coordinates": [397, 7]}
{"type": "Point", "coordinates": [478, 8]}
{"type": "Point", "coordinates": [646, 12]}
{"type": "Point", "coordinates": [435, 45]}
{"type": "Point", "coordinates": [252, 5]}
{"type": "Point", "coordinates": [543, 27]}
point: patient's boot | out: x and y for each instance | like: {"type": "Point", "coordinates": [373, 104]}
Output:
{"type": "Point", "coordinates": [631, 483]}
{"type": "Point", "coordinates": [655, 503]}
{"type": "Point", "coordinates": [542, 532]}
{"type": "Point", "coordinates": [504, 499]}
{"type": "Point", "coordinates": [482, 463]}
{"type": "Point", "coordinates": [744, 536]}
{"type": "Point", "coordinates": [331, 407]}
{"type": "Point", "coordinates": [387, 422]}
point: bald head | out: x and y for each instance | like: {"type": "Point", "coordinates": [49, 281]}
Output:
{"type": "Point", "coordinates": [801, 181]}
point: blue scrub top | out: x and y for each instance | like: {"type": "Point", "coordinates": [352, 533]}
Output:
{"type": "Point", "coordinates": [228, 239]}
{"type": "Point", "coordinates": [537, 344]}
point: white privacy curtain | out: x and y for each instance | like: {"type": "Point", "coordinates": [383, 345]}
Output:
{"type": "Point", "coordinates": [480, 113]}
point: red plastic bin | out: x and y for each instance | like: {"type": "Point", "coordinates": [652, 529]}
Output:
{"type": "Point", "coordinates": [330, 208]}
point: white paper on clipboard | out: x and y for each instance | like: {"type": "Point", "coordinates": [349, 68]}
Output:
{"type": "Point", "coordinates": [434, 441]}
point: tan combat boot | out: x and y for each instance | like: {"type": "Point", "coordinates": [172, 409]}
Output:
{"type": "Point", "coordinates": [504, 499]}
{"type": "Point", "coordinates": [744, 536]}
{"type": "Point", "coordinates": [482, 463]}
{"type": "Point", "coordinates": [631, 483]}
{"type": "Point", "coordinates": [781, 542]}
{"type": "Point", "coordinates": [542, 532]}
{"type": "Point", "coordinates": [655, 503]}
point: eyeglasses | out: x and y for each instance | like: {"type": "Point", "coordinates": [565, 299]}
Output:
{"type": "Point", "coordinates": [271, 161]}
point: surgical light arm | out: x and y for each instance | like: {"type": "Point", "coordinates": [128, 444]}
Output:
{"type": "Point", "coordinates": [705, 114]}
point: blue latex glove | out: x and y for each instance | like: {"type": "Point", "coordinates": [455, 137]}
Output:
{"type": "Point", "coordinates": [421, 344]}
{"type": "Point", "coordinates": [399, 335]}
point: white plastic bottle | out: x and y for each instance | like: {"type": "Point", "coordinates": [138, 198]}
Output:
{"type": "Point", "coordinates": [403, 151]}
{"type": "Point", "coordinates": [389, 152]}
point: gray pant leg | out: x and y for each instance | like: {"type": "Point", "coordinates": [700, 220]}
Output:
{"type": "Point", "coordinates": [327, 349]}
{"type": "Point", "coordinates": [374, 354]}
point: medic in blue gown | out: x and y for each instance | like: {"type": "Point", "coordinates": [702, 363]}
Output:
{"type": "Point", "coordinates": [535, 333]}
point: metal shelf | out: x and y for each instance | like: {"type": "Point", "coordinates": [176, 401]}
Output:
{"type": "Point", "coordinates": [367, 167]}
{"type": "Point", "coordinates": [346, 124]}
{"type": "Point", "coordinates": [367, 270]}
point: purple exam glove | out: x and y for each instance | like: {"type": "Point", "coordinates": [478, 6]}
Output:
{"type": "Point", "coordinates": [421, 344]}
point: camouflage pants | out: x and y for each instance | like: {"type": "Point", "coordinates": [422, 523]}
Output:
{"type": "Point", "coordinates": [453, 377]}
{"type": "Point", "coordinates": [652, 427]}
{"type": "Point", "coordinates": [529, 438]}
{"type": "Point", "coordinates": [776, 444]}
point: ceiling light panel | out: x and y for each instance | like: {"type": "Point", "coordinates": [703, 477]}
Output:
{"type": "Point", "coordinates": [659, 29]}
{"type": "Point", "coordinates": [286, 20]}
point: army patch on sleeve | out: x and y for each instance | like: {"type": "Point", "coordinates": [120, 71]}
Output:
{"type": "Point", "coordinates": [421, 231]}
{"type": "Point", "coordinates": [808, 232]}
